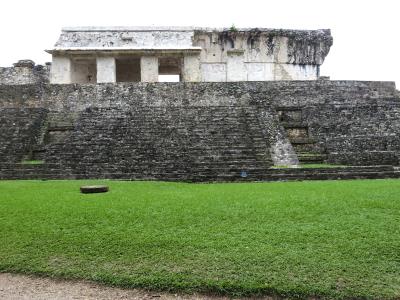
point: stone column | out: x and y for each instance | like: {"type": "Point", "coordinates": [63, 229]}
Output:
{"type": "Point", "coordinates": [191, 68]}
{"type": "Point", "coordinates": [60, 70]}
{"type": "Point", "coordinates": [106, 71]}
{"type": "Point", "coordinates": [149, 69]}
{"type": "Point", "coordinates": [236, 69]}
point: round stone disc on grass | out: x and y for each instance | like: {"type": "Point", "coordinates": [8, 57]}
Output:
{"type": "Point", "coordinates": [91, 189]}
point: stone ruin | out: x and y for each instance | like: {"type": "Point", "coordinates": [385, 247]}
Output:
{"type": "Point", "coordinates": [97, 54]}
{"type": "Point", "coordinates": [25, 72]}
{"type": "Point", "coordinates": [249, 103]}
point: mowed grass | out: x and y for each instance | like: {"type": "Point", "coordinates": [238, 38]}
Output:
{"type": "Point", "coordinates": [332, 239]}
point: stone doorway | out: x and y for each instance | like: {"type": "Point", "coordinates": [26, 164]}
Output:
{"type": "Point", "coordinates": [170, 69]}
{"type": "Point", "coordinates": [127, 69]}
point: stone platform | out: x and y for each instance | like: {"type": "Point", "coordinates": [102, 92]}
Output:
{"type": "Point", "coordinates": [56, 171]}
{"type": "Point", "coordinates": [200, 131]}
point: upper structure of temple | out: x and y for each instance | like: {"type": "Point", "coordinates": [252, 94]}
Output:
{"type": "Point", "coordinates": [129, 54]}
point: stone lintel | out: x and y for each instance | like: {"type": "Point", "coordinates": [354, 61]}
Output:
{"type": "Point", "coordinates": [127, 28]}
{"type": "Point", "coordinates": [133, 51]}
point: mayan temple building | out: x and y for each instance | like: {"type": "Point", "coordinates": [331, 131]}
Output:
{"type": "Point", "coordinates": [131, 54]}
{"type": "Point", "coordinates": [247, 104]}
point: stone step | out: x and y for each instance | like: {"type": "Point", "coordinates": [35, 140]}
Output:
{"type": "Point", "coordinates": [309, 148]}
{"type": "Point", "coordinates": [165, 140]}
{"type": "Point", "coordinates": [312, 157]}
{"type": "Point", "coordinates": [334, 176]}
{"type": "Point", "coordinates": [293, 124]}
{"type": "Point", "coordinates": [225, 175]}
{"type": "Point", "coordinates": [139, 146]}
{"type": "Point", "coordinates": [332, 169]}
{"type": "Point", "coordinates": [61, 128]}
{"type": "Point", "coordinates": [295, 141]}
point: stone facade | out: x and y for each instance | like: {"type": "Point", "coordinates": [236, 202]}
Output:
{"type": "Point", "coordinates": [194, 54]}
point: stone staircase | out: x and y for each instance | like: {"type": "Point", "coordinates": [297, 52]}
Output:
{"type": "Point", "coordinates": [196, 144]}
{"type": "Point", "coordinates": [55, 128]}
{"type": "Point", "coordinates": [238, 150]}
{"type": "Point", "coordinates": [188, 143]}
{"type": "Point", "coordinates": [19, 132]}
{"type": "Point", "coordinates": [308, 150]}
{"type": "Point", "coordinates": [169, 143]}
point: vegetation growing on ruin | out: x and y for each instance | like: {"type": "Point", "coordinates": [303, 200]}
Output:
{"type": "Point", "coordinates": [310, 166]}
{"type": "Point", "coordinates": [334, 239]}
{"type": "Point", "coordinates": [233, 28]}
{"type": "Point", "coordinates": [32, 162]}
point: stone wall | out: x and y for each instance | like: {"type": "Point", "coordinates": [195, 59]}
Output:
{"type": "Point", "coordinates": [78, 97]}
{"type": "Point", "coordinates": [61, 97]}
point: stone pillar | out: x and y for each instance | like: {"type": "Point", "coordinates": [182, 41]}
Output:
{"type": "Point", "coordinates": [236, 69]}
{"type": "Point", "coordinates": [191, 68]}
{"type": "Point", "coordinates": [60, 72]}
{"type": "Point", "coordinates": [149, 69]}
{"type": "Point", "coordinates": [106, 71]}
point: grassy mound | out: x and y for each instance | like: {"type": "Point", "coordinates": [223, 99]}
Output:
{"type": "Point", "coordinates": [333, 239]}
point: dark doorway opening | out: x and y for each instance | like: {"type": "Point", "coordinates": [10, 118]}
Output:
{"type": "Point", "coordinates": [127, 69]}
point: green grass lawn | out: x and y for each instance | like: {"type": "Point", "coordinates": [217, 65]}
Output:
{"type": "Point", "coordinates": [333, 239]}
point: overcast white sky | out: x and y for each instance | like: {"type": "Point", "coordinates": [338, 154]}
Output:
{"type": "Point", "coordinates": [366, 34]}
